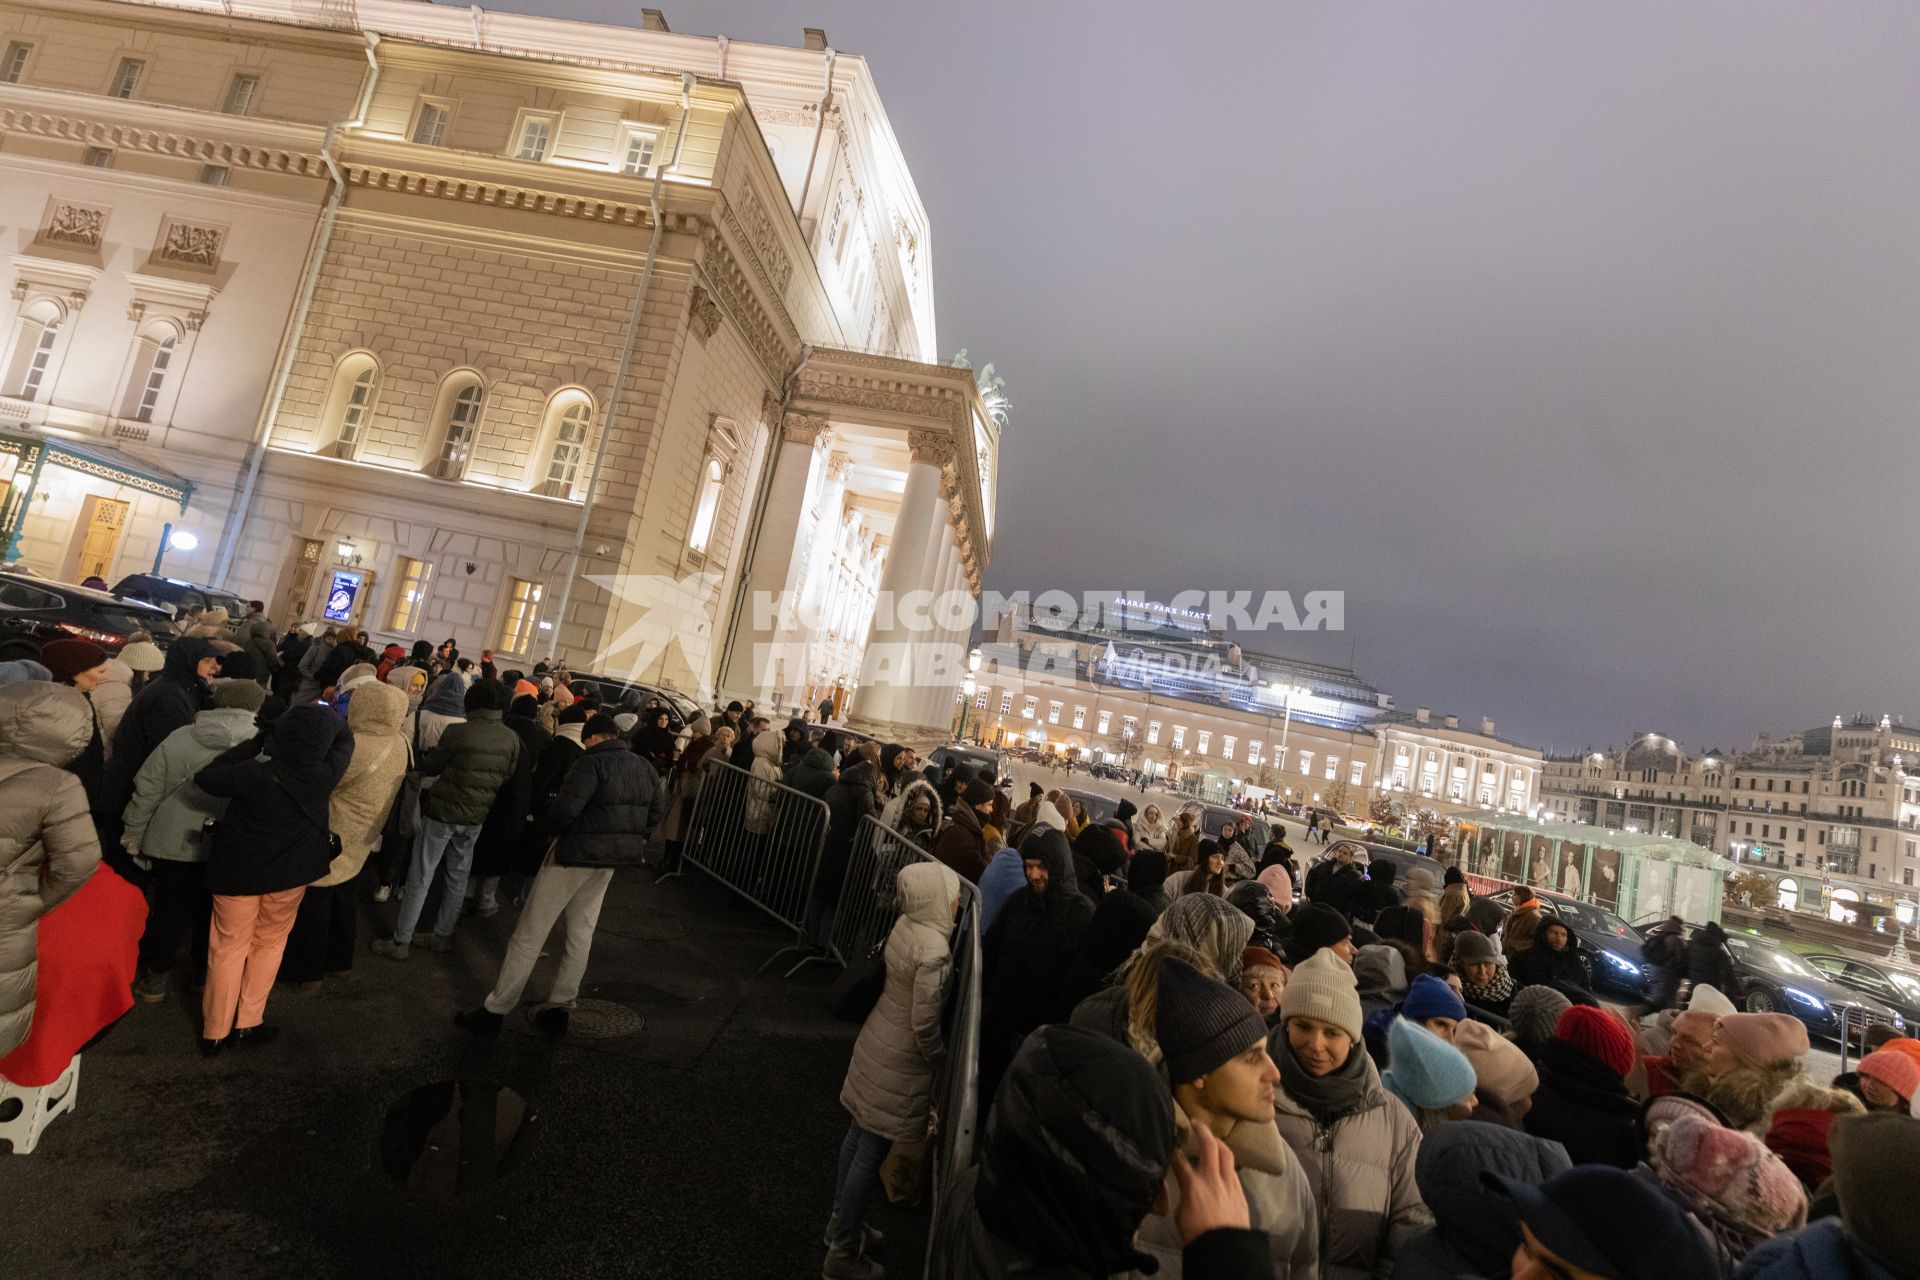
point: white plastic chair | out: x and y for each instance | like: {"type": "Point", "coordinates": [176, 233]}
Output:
{"type": "Point", "coordinates": [39, 1107]}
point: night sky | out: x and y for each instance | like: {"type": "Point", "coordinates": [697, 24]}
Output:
{"type": "Point", "coordinates": [1578, 344]}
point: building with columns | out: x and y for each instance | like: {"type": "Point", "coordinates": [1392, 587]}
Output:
{"type": "Point", "coordinates": [557, 338]}
{"type": "Point", "coordinates": [1831, 815]}
{"type": "Point", "coordinates": [1162, 690]}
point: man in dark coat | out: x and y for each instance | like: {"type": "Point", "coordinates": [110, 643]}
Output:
{"type": "Point", "coordinates": [170, 701]}
{"type": "Point", "coordinates": [1377, 892]}
{"type": "Point", "coordinates": [1709, 961]}
{"type": "Point", "coordinates": [1097, 854]}
{"type": "Point", "coordinates": [498, 848]}
{"type": "Point", "coordinates": [255, 636]}
{"type": "Point", "coordinates": [469, 765]}
{"type": "Point", "coordinates": [1027, 952]}
{"type": "Point", "coordinates": [1319, 886]}
{"type": "Point", "coordinates": [607, 807]}
{"type": "Point", "coordinates": [348, 650]}
{"type": "Point", "coordinates": [961, 844]}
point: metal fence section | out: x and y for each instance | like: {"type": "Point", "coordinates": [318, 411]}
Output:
{"type": "Point", "coordinates": [865, 909]}
{"type": "Point", "coordinates": [760, 839]}
{"type": "Point", "coordinates": [1854, 1022]}
{"type": "Point", "coordinates": [956, 1089]}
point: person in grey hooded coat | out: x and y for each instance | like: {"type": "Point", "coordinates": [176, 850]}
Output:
{"type": "Point", "coordinates": [1475, 1230]}
{"type": "Point", "coordinates": [48, 847]}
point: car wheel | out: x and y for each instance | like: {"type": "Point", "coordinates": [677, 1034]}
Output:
{"type": "Point", "coordinates": [1760, 1000]}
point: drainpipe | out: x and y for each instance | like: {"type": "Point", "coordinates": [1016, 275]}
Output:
{"type": "Point", "coordinates": [322, 236]}
{"type": "Point", "coordinates": [819, 127]}
{"type": "Point", "coordinates": [474, 11]}
{"type": "Point", "coordinates": [654, 212]}
{"type": "Point", "coordinates": [775, 436]}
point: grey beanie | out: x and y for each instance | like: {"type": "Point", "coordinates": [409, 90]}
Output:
{"type": "Point", "coordinates": [1201, 1023]}
{"type": "Point", "coordinates": [1535, 1012]}
{"type": "Point", "coordinates": [1473, 947]}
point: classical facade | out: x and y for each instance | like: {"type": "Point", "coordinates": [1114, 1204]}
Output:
{"type": "Point", "coordinates": [1163, 691]}
{"type": "Point", "coordinates": [564, 339]}
{"type": "Point", "coordinates": [1831, 814]}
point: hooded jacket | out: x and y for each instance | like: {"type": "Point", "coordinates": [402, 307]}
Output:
{"type": "Point", "coordinates": [1380, 974]}
{"type": "Point", "coordinates": [469, 765]}
{"type": "Point", "coordinates": [1585, 1107]}
{"type": "Point", "coordinates": [811, 772]}
{"type": "Point", "coordinates": [1279, 1202]}
{"type": "Point", "coordinates": [1151, 835]}
{"type": "Point", "coordinates": [1475, 1230]}
{"type": "Point", "coordinates": [1026, 954]}
{"type": "Point", "coordinates": [762, 799]}
{"type": "Point", "coordinates": [1821, 1250]}
{"type": "Point", "coordinates": [364, 796]}
{"type": "Point", "coordinates": [1006, 875]}
{"type": "Point", "coordinates": [168, 813]}
{"type": "Point", "coordinates": [256, 639]}
{"type": "Point", "coordinates": [274, 836]}
{"type": "Point", "coordinates": [1359, 1157]}
{"type": "Point", "coordinates": [897, 809]}
{"type": "Point", "coordinates": [169, 701]}
{"type": "Point", "coordinates": [962, 844]}
{"type": "Point", "coordinates": [1119, 924]}
{"type": "Point", "coordinates": [111, 698]}
{"type": "Point", "coordinates": [606, 808]}
{"type": "Point", "coordinates": [853, 797]}
{"type": "Point", "coordinates": [1377, 892]}
{"type": "Point", "coordinates": [890, 1079]}
{"type": "Point", "coordinates": [48, 847]}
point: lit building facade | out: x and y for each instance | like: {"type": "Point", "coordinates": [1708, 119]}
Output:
{"type": "Point", "coordinates": [1831, 814]}
{"type": "Point", "coordinates": [564, 339]}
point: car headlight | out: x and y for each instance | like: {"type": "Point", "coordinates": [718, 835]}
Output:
{"type": "Point", "coordinates": [1620, 962]}
{"type": "Point", "coordinates": [1811, 1001]}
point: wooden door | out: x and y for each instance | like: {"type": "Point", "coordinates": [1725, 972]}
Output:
{"type": "Point", "coordinates": [306, 559]}
{"type": "Point", "coordinates": [103, 522]}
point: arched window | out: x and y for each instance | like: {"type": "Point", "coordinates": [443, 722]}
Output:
{"type": "Point", "coordinates": [1789, 896]}
{"type": "Point", "coordinates": [349, 407]}
{"type": "Point", "coordinates": [570, 418]}
{"type": "Point", "coordinates": [154, 348]}
{"type": "Point", "coordinates": [461, 400]}
{"type": "Point", "coordinates": [722, 445]}
{"type": "Point", "coordinates": [32, 356]}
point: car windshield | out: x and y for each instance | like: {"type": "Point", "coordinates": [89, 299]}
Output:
{"type": "Point", "coordinates": [1591, 920]}
{"type": "Point", "coordinates": [1765, 957]}
{"type": "Point", "coordinates": [1907, 984]}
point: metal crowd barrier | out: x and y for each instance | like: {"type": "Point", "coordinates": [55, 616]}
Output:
{"type": "Point", "coordinates": [956, 1089]}
{"type": "Point", "coordinates": [865, 910]}
{"type": "Point", "coordinates": [1854, 1022]}
{"type": "Point", "coordinates": [760, 839]}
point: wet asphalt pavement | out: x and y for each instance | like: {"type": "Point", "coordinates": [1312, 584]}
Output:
{"type": "Point", "coordinates": [702, 1145]}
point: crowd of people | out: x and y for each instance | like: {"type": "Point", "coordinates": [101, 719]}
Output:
{"type": "Point", "coordinates": [1393, 1075]}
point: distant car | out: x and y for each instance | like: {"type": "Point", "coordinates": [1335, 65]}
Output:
{"type": "Point", "coordinates": [969, 757]}
{"type": "Point", "coordinates": [1099, 808]}
{"type": "Point", "coordinates": [681, 710]}
{"type": "Point", "coordinates": [1887, 983]}
{"type": "Point", "coordinates": [184, 599]}
{"type": "Point", "coordinates": [34, 610]}
{"type": "Point", "coordinates": [1611, 946]}
{"type": "Point", "coordinates": [1775, 980]}
{"type": "Point", "coordinates": [1213, 820]}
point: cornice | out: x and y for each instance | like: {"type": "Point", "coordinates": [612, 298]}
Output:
{"type": "Point", "coordinates": [187, 135]}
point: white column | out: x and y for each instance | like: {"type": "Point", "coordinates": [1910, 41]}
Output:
{"type": "Point", "coordinates": [930, 697]}
{"type": "Point", "coordinates": [884, 692]}
{"type": "Point", "coordinates": [777, 568]}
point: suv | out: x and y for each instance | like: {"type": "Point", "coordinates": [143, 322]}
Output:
{"type": "Point", "coordinates": [974, 758]}
{"type": "Point", "coordinates": [34, 611]}
{"type": "Point", "coordinates": [182, 599]}
{"type": "Point", "coordinates": [681, 711]}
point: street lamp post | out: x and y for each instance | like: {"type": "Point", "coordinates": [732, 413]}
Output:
{"type": "Point", "coordinates": [1286, 722]}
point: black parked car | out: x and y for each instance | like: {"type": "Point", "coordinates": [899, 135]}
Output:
{"type": "Point", "coordinates": [1887, 983]}
{"type": "Point", "coordinates": [184, 598]}
{"type": "Point", "coordinates": [35, 610]}
{"type": "Point", "coordinates": [1608, 943]}
{"type": "Point", "coordinates": [1775, 980]}
{"type": "Point", "coordinates": [681, 711]}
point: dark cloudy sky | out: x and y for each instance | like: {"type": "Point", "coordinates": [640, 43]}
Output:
{"type": "Point", "coordinates": [1578, 344]}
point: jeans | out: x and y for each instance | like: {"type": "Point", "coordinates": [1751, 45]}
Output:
{"type": "Point", "coordinates": [437, 839]}
{"type": "Point", "coordinates": [861, 1155]}
{"type": "Point", "coordinates": [570, 893]}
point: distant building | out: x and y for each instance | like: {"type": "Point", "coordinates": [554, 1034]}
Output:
{"type": "Point", "coordinates": [1831, 814]}
{"type": "Point", "coordinates": [1163, 691]}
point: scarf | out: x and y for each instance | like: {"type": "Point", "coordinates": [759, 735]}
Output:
{"type": "Point", "coordinates": [1501, 988]}
{"type": "Point", "coordinates": [1340, 1092]}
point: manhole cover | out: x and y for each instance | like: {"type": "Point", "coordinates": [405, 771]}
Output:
{"type": "Point", "coordinates": [603, 1020]}
{"type": "Point", "coordinates": [451, 1138]}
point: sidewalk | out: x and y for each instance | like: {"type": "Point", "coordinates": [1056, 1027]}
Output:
{"type": "Point", "coordinates": [703, 1146]}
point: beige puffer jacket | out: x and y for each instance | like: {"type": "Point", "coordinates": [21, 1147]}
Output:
{"type": "Point", "coordinates": [887, 1086]}
{"type": "Point", "coordinates": [48, 848]}
{"type": "Point", "coordinates": [110, 698]}
{"type": "Point", "coordinates": [1279, 1201]}
{"type": "Point", "coordinates": [365, 793]}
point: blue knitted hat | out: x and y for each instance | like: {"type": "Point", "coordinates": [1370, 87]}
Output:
{"type": "Point", "coordinates": [1427, 1072]}
{"type": "Point", "coordinates": [1431, 997]}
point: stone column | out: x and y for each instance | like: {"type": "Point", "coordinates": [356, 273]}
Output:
{"type": "Point", "coordinates": [768, 620]}
{"type": "Point", "coordinates": [935, 700]}
{"type": "Point", "coordinates": [885, 693]}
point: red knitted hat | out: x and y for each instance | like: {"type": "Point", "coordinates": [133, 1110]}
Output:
{"type": "Point", "coordinates": [1599, 1035]}
{"type": "Point", "coordinates": [68, 658]}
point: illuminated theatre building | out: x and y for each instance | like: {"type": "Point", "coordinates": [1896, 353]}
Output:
{"type": "Point", "coordinates": [549, 336]}
{"type": "Point", "coordinates": [1154, 688]}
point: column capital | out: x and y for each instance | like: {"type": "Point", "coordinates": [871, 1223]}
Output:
{"type": "Point", "coordinates": [837, 464]}
{"type": "Point", "coordinates": [703, 313]}
{"type": "Point", "coordinates": [932, 447]}
{"type": "Point", "coordinates": [805, 428]}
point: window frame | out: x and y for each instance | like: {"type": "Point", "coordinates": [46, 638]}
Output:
{"type": "Point", "coordinates": [421, 106]}
{"type": "Point", "coordinates": [716, 466]}
{"type": "Point", "coordinates": [97, 157]}
{"type": "Point", "coordinates": [122, 86]}
{"type": "Point", "coordinates": [629, 134]}
{"type": "Point", "coordinates": [454, 390]}
{"type": "Point", "coordinates": [411, 581]}
{"type": "Point", "coordinates": [13, 61]}
{"type": "Point", "coordinates": [522, 120]}
{"type": "Point", "coordinates": [27, 366]}
{"type": "Point", "coordinates": [520, 608]}
{"type": "Point", "coordinates": [561, 407]}
{"type": "Point", "coordinates": [251, 79]}
{"type": "Point", "coordinates": [214, 175]}
{"type": "Point", "coordinates": [348, 373]}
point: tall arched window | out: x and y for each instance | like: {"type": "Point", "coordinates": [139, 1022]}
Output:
{"type": "Point", "coordinates": [32, 357]}
{"type": "Point", "coordinates": [349, 406]}
{"type": "Point", "coordinates": [461, 400]}
{"type": "Point", "coordinates": [570, 425]}
{"type": "Point", "coordinates": [722, 446]}
{"type": "Point", "coordinates": [154, 349]}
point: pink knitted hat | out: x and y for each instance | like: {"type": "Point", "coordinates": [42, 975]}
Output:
{"type": "Point", "coordinates": [1730, 1176]}
{"type": "Point", "coordinates": [1759, 1039]}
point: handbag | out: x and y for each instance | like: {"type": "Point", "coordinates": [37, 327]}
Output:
{"type": "Point", "coordinates": [333, 838]}
{"type": "Point", "coordinates": [857, 990]}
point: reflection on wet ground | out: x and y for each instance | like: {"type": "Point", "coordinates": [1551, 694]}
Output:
{"type": "Point", "coordinates": [452, 1138]}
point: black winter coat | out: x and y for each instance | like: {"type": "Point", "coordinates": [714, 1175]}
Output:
{"type": "Point", "coordinates": [1584, 1107]}
{"type": "Point", "coordinates": [607, 807]}
{"type": "Point", "coordinates": [504, 831]}
{"type": "Point", "coordinates": [1708, 961]}
{"type": "Point", "coordinates": [275, 835]}
{"type": "Point", "coordinates": [1026, 954]}
{"type": "Point", "coordinates": [1541, 966]}
{"type": "Point", "coordinates": [170, 701]}
{"type": "Point", "coordinates": [344, 655]}
{"type": "Point", "coordinates": [853, 796]}
{"type": "Point", "coordinates": [549, 771]}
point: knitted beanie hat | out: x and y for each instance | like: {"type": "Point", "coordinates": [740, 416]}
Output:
{"type": "Point", "coordinates": [1801, 1136]}
{"type": "Point", "coordinates": [1474, 947]}
{"type": "Point", "coordinates": [1707, 998]}
{"type": "Point", "coordinates": [1426, 1072]}
{"type": "Point", "coordinates": [1759, 1039]}
{"type": "Point", "coordinates": [245, 695]}
{"type": "Point", "coordinates": [66, 659]}
{"type": "Point", "coordinates": [1872, 1156]}
{"type": "Point", "coordinates": [143, 655]}
{"type": "Point", "coordinates": [1453, 876]}
{"type": "Point", "coordinates": [1200, 1022]}
{"type": "Point", "coordinates": [1729, 1175]}
{"type": "Point", "coordinates": [1535, 1013]}
{"type": "Point", "coordinates": [1253, 959]}
{"type": "Point", "coordinates": [1500, 1065]}
{"type": "Point", "coordinates": [1317, 925]}
{"type": "Point", "coordinates": [1599, 1035]}
{"type": "Point", "coordinates": [1429, 997]}
{"type": "Point", "coordinates": [1322, 986]}
{"type": "Point", "coordinates": [1898, 1071]}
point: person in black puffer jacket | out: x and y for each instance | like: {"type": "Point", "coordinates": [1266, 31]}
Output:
{"type": "Point", "coordinates": [607, 807]}
{"type": "Point", "coordinates": [273, 842]}
{"type": "Point", "coordinates": [1376, 893]}
{"type": "Point", "coordinates": [1027, 952]}
{"type": "Point", "coordinates": [169, 701]}
{"type": "Point", "coordinates": [1710, 963]}
{"type": "Point", "coordinates": [497, 850]}
{"type": "Point", "coordinates": [850, 799]}
{"type": "Point", "coordinates": [1553, 961]}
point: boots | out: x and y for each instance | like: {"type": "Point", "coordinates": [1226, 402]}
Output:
{"type": "Point", "coordinates": [841, 1265]}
